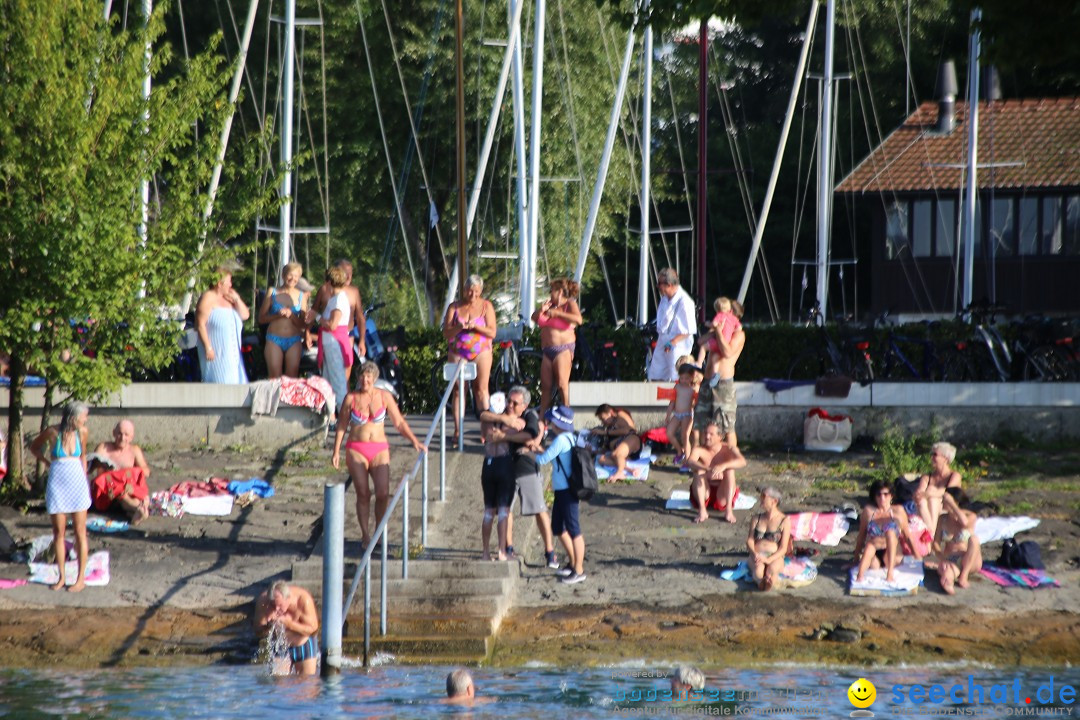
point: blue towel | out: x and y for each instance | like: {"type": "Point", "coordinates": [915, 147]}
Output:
{"type": "Point", "coordinates": [774, 385]}
{"type": "Point", "coordinates": [737, 573]}
{"type": "Point", "coordinates": [256, 485]}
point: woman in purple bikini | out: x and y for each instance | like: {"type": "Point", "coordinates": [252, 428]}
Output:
{"type": "Point", "coordinates": [557, 318]}
{"type": "Point", "coordinates": [469, 327]}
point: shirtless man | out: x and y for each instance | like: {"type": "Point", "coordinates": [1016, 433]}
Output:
{"type": "Point", "coordinates": [716, 399]}
{"type": "Point", "coordinates": [293, 608]}
{"type": "Point", "coordinates": [931, 490]}
{"type": "Point", "coordinates": [620, 438]}
{"type": "Point", "coordinates": [714, 463]}
{"type": "Point", "coordinates": [133, 497]}
{"type": "Point", "coordinates": [356, 317]}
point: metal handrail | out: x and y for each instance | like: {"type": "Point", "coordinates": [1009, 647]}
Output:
{"type": "Point", "coordinates": [402, 492]}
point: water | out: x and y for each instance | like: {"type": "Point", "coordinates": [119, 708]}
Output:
{"type": "Point", "coordinates": [535, 692]}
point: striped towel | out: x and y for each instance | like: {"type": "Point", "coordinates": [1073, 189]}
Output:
{"type": "Point", "coordinates": [1010, 577]}
{"type": "Point", "coordinates": [822, 528]}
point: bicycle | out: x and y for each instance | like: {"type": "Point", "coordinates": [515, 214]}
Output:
{"type": "Point", "coordinates": [594, 360]}
{"type": "Point", "coordinates": [823, 356]}
{"type": "Point", "coordinates": [924, 360]}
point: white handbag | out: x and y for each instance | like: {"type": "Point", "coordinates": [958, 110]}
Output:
{"type": "Point", "coordinates": [822, 431]}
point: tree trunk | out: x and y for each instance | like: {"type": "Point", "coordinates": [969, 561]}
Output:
{"type": "Point", "coordinates": [15, 413]}
{"type": "Point", "coordinates": [40, 474]}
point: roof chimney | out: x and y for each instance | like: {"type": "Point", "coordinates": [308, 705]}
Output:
{"type": "Point", "coordinates": [991, 84]}
{"type": "Point", "coordinates": [946, 98]}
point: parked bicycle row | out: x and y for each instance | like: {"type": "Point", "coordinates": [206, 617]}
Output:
{"type": "Point", "coordinates": [976, 347]}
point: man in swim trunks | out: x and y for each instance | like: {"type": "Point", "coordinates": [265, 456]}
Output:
{"type": "Point", "coordinates": [292, 607]}
{"type": "Point", "coordinates": [716, 400]}
{"type": "Point", "coordinates": [714, 463]}
{"type": "Point", "coordinates": [126, 489]}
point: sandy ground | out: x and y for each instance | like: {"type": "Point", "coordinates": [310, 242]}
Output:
{"type": "Point", "coordinates": [181, 589]}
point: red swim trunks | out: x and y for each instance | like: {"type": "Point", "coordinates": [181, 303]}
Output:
{"type": "Point", "coordinates": [712, 502]}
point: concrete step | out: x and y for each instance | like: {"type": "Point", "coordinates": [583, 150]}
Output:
{"type": "Point", "coordinates": [449, 605]}
{"type": "Point", "coordinates": [440, 586]}
{"type": "Point", "coordinates": [419, 625]}
{"type": "Point", "coordinates": [423, 649]}
{"type": "Point", "coordinates": [309, 572]}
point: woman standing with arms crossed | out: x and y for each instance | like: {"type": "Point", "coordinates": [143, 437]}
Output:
{"type": "Point", "coordinates": [469, 327]}
{"type": "Point", "coordinates": [219, 319]}
{"type": "Point", "coordinates": [367, 453]}
{"type": "Point", "coordinates": [557, 318]}
{"type": "Point", "coordinates": [62, 448]}
{"type": "Point", "coordinates": [284, 310]}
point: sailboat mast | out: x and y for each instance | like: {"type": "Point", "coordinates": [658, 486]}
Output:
{"type": "Point", "coordinates": [824, 199]}
{"type": "Point", "coordinates": [972, 158]}
{"type": "Point", "coordinates": [287, 79]}
{"type": "Point", "coordinates": [646, 174]}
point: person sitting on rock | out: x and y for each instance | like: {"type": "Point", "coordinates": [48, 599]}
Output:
{"type": "Point", "coordinates": [119, 474]}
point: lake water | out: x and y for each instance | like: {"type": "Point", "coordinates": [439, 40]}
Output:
{"type": "Point", "coordinates": [626, 690]}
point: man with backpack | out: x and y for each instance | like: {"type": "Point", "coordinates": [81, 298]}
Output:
{"type": "Point", "coordinates": [564, 513]}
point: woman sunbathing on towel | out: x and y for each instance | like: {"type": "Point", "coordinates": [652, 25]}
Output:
{"type": "Point", "coordinates": [881, 526]}
{"type": "Point", "coordinates": [768, 539]}
{"type": "Point", "coordinates": [956, 548]}
{"type": "Point", "coordinates": [931, 490]}
{"type": "Point", "coordinates": [367, 451]}
{"type": "Point", "coordinates": [620, 439]}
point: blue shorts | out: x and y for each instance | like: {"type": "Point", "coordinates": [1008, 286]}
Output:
{"type": "Point", "coordinates": [284, 342]}
{"type": "Point", "coordinates": [564, 514]}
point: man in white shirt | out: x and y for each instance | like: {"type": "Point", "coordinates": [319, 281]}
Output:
{"type": "Point", "coordinates": [675, 324]}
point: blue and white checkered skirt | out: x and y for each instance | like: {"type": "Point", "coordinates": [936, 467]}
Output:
{"type": "Point", "coordinates": [68, 490]}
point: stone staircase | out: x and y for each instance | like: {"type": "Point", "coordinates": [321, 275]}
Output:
{"type": "Point", "coordinates": [446, 612]}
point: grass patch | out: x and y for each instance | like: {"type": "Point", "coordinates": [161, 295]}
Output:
{"type": "Point", "coordinates": [1019, 508]}
{"type": "Point", "coordinates": [299, 457]}
{"type": "Point", "coordinates": [848, 485]}
{"type": "Point", "coordinates": [239, 448]}
{"type": "Point", "coordinates": [786, 466]}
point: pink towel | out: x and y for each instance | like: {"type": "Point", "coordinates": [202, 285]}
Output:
{"type": "Point", "coordinates": [7, 583]}
{"type": "Point", "coordinates": [822, 528]}
{"type": "Point", "coordinates": [213, 486]}
{"type": "Point", "coordinates": [310, 392]}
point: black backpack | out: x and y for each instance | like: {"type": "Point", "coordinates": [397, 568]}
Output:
{"type": "Point", "coordinates": [582, 476]}
{"type": "Point", "coordinates": [1018, 556]}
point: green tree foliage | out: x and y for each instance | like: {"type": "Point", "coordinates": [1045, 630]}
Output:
{"type": "Point", "coordinates": [81, 297]}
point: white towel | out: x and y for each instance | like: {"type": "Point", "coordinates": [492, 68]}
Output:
{"type": "Point", "coordinates": [907, 576]}
{"type": "Point", "coordinates": [97, 571]}
{"type": "Point", "coordinates": [680, 500]}
{"type": "Point", "coordinates": [208, 505]}
{"type": "Point", "coordinates": [265, 396]}
{"type": "Point", "coordinates": [992, 529]}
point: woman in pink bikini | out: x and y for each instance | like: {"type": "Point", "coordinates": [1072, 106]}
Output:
{"type": "Point", "coordinates": [469, 327]}
{"type": "Point", "coordinates": [557, 318]}
{"type": "Point", "coordinates": [367, 452]}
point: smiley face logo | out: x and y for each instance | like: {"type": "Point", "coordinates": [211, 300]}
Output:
{"type": "Point", "coordinates": [862, 693]}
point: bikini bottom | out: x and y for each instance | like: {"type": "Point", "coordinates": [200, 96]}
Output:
{"type": "Point", "coordinates": [368, 449]}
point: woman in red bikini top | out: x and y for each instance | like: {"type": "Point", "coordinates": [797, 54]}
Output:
{"type": "Point", "coordinates": [557, 318]}
{"type": "Point", "coordinates": [367, 451]}
{"type": "Point", "coordinates": [469, 327]}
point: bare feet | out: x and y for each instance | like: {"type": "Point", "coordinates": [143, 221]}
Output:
{"type": "Point", "coordinates": [701, 519]}
{"type": "Point", "coordinates": [962, 581]}
{"type": "Point", "coordinates": [486, 557]}
{"type": "Point", "coordinates": [616, 477]}
{"type": "Point", "coordinates": [77, 587]}
{"type": "Point", "coordinates": [502, 557]}
{"type": "Point", "coordinates": [859, 577]}
{"type": "Point", "coordinates": [890, 576]}
{"type": "Point", "coordinates": [58, 585]}
{"type": "Point", "coordinates": [766, 583]}
{"type": "Point", "coordinates": [730, 517]}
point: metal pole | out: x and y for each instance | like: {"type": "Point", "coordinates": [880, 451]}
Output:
{"type": "Point", "coordinates": [442, 454]}
{"type": "Point", "coordinates": [646, 175]}
{"type": "Point", "coordinates": [972, 158]}
{"type": "Point", "coordinates": [424, 502]}
{"type": "Point", "coordinates": [284, 252]}
{"type": "Point", "coordinates": [382, 577]}
{"type": "Point", "coordinates": [605, 158]}
{"type": "Point", "coordinates": [824, 198]}
{"type": "Point", "coordinates": [460, 410]}
{"type": "Point", "coordinates": [223, 143]}
{"type": "Point", "coordinates": [703, 161]}
{"type": "Point", "coordinates": [405, 532]}
{"type": "Point", "coordinates": [522, 170]}
{"type": "Point", "coordinates": [529, 296]}
{"type": "Point", "coordinates": [333, 575]}
{"type": "Point", "coordinates": [367, 615]}
{"type": "Point", "coordinates": [463, 260]}
{"type": "Point", "coordinates": [766, 206]}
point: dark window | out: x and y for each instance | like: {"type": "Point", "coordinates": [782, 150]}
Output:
{"type": "Point", "coordinates": [1001, 236]}
{"type": "Point", "coordinates": [1070, 242]}
{"type": "Point", "coordinates": [896, 229]}
{"type": "Point", "coordinates": [1029, 225]}
{"type": "Point", "coordinates": [1051, 225]}
{"type": "Point", "coordinates": [945, 239]}
{"type": "Point", "coordinates": [922, 228]}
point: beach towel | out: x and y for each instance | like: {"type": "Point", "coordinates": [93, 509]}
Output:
{"type": "Point", "coordinates": [111, 484]}
{"type": "Point", "coordinates": [993, 529]}
{"type": "Point", "coordinates": [313, 392]}
{"type": "Point", "coordinates": [98, 523]}
{"type": "Point", "coordinates": [797, 572]}
{"type": "Point", "coordinates": [908, 576]}
{"type": "Point", "coordinates": [265, 395]}
{"type": "Point", "coordinates": [258, 486]}
{"type": "Point", "coordinates": [680, 500]}
{"type": "Point", "coordinates": [41, 550]}
{"type": "Point", "coordinates": [8, 583]}
{"type": "Point", "coordinates": [822, 528]}
{"type": "Point", "coordinates": [97, 571]}
{"type": "Point", "coordinates": [1008, 577]}
{"type": "Point", "coordinates": [635, 470]}
{"type": "Point", "coordinates": [921, 536]}
{"type": "Point", "coordinates": [192, 489]}
{"type": "Point", "coordinates": [209, 505]}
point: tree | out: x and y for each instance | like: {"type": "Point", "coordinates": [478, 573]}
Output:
{"type": "Point", "coordinates": [82, 297]}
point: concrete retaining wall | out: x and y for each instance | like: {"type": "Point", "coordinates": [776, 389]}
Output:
{"type": "Point", "coordinates": [180, 416]}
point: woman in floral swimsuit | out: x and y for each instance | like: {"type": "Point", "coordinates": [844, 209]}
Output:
{"type": "Point", "coordinates": [469, 327]}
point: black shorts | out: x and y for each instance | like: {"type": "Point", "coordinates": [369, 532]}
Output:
{"type": "Point", "coordinates": [497, 480]}
{"type": "Point", "coordinates": [564, 514]}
